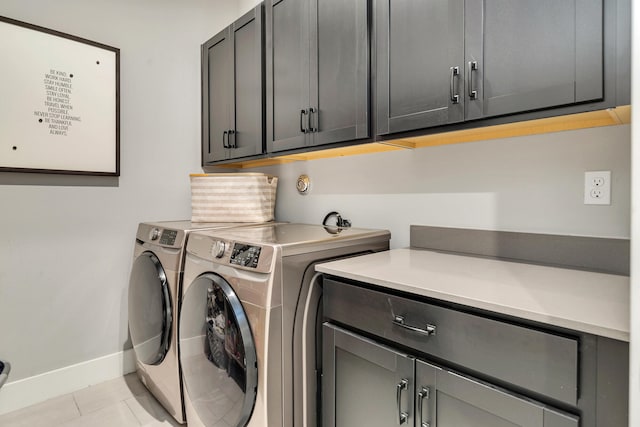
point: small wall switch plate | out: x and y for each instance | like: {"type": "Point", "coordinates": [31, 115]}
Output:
{"type": "Point", "coordinates": [597, 188]}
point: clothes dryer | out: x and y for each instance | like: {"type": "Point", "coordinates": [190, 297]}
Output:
{"type": "Point", "coordinates": [154, 297]}
{"type": "Point", "coordinates": [249, 322]}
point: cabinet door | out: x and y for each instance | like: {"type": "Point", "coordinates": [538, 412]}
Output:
{"type": "Point", "coordinates": [364, 383]}
{"type": "Point", "coordinates": [419, 65]}
{"type": "Point", "coordinates": [247, 112]}
{"type": "Point", "coordinates": [455, 400]}
{"type": "Point", "coordinates": [532, 54]}
{"type": "Point", "coordinates": [339, 67]}
{"type": "Point", "coordinates": [287, 26]}
{"type": "Point", "coordinates": [216, 96]}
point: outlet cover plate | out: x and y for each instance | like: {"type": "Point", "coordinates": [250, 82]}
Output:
{"type": "Point", "coordinates": [597, 188]}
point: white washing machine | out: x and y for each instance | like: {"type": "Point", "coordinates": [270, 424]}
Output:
{"type": "Point", "coordinates": [249, 322]}
{"type": "Point", "coordinates": [154, 297]}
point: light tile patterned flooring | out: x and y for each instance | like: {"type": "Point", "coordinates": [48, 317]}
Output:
{"type": "Point", "coordinates": [123, 402]}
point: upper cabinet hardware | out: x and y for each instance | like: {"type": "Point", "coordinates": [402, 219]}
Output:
{"type": "Point", "coordinates": [455, 98]}
{"type": "Point", "coordinates": [473, 66]}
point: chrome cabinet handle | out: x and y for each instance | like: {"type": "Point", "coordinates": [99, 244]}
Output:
{"type": "Point", "coordinates": [473, 66]}
{"type": "Point", "coordinates": [310, 126]}
{"type": "Point", "coordinates": [428, 330]}
{"type": "Point", "coordinates": [302, 128]}
{"type": "Point", "coordinates": [402, 385]}
{"type": "Point", "coordinates": [455, 98]}
{"type": "Point", "coordinates": [423, 394]}
{"type": "Point", "coordinates": [225, 134]}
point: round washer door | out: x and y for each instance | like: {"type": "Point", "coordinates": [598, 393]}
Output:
{"type": "Point", "coordinates": [150, 311]}
{"type": "Point", "coordinates": [217, 353]}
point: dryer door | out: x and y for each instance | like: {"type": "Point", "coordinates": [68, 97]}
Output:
{"type": "Point", "coordinates": [149, 309]}
{"type": "Point", "coordinates": [217, 353]}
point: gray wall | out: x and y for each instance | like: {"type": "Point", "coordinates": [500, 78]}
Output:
{"type": "Point", "coordinates": [634, 357]}
{"type": "Point", "coordinates": [533, 184]}
{"type": "Point", "coordinates": [67, 242]}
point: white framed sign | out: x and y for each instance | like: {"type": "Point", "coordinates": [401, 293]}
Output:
{"type": "Point", "coordinates": [59, 102]}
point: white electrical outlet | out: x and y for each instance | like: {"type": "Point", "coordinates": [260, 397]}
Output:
{"type": "Point", "coordinates": [597, 188]}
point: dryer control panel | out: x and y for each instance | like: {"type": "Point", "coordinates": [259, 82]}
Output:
{"type": "Point", "coordinates": [245, 255]}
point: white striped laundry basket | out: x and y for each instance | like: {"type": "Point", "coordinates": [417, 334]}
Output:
{"type": "Point", "coordinates": [233, 197]}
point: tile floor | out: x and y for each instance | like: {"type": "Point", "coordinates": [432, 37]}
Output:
{"type": "Point", "coordinates": [123, 402]}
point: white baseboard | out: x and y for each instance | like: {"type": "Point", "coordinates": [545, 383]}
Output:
{"type": "Point", "coordinates": [28, 391]}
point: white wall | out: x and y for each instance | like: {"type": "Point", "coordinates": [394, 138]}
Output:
{"type": "Point", "coordinates": [532, 184]}
{"type": "Point", "coordinates": [67, 242]}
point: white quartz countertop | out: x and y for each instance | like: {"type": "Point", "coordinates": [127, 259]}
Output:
{"type": "Point", "coordinates": [594, 303]}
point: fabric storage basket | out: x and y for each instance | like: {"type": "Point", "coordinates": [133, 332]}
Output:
{"type": "Point", "coordinates": [233, 197]}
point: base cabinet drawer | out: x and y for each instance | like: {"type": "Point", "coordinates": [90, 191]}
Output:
{"type": "Point", "coordinates": [533, 359]}
{"type": "Point", "coordinates": [367, 383]}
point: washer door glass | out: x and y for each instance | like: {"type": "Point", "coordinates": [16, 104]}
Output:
{"type": "Point", "coordinates": [217, 353]}
{"type": "Point", "coordinates": [149, 309]}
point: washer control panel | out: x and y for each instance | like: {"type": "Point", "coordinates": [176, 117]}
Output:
{"type": "Point", "coordinates": [168, 237]}
{"type": "Point", "coordinates": [245, 255]}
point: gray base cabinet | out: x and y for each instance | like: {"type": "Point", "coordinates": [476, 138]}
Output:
{"type": "Point", "coordinates": [446, 61]}
{"type": "Point", "coordinates": [233, 91]}
{"type": "Point", "coordinates": [391, 359]}
{"type": "Point", "coordinates": [360, 381]}
{"type": "Point", "coordinates": [317, 72]}
{"type": "Point", "coordinates": [448, 399]}
{"type": "Point", "coordinates": [372, 384]}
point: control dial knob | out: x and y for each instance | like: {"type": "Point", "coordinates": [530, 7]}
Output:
{"type": "Point", "coordinates": [218, 249]}
{"type": "Point", "coordinates": [155, 233]}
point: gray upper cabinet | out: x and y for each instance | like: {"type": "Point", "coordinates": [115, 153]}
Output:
{"type": "Point", "coordinates": [419, 63]}
{"type": "Point", "coordinates": [532, 54]}
{"type": "Point", "coordinates": [440, 62]}
{"type": "Point", "coordinates": [233, 90]}
{"type": "Point", "coordinates": [216, 75]}
{"type": "Point", "coordinates": [317, 72]}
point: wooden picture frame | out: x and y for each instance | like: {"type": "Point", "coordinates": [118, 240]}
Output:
{"type": "Point", "coordinates": [59, 102]}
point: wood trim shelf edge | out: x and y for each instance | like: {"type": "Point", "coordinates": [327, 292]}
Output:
{"type": "Point", "coordinates": [609, 117]}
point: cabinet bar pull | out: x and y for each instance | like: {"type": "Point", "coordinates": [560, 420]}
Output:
{"type": "Point", "coordinates": [302, 128]}
{"type": "Point", "coordinates": [232, 132]}
{"type": "Point", "coordinates": [423, 394]}
{"type": "Point", "coordinates": [428, 330]}
{"type": "Point", "coordinates": [473, 66]}
{"type": "Point", "coordinates": [310, 126]}
{"type": "Point", "coordinates": [455, 98]}
{"type": "Point", "coordinates": [402, 385]}
{"type": "Point", "coordinates": [225, 134]}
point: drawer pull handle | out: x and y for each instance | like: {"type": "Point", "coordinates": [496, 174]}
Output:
{"type": "Point", "coordinates": [402, 385]}
{"type": "Point", "coordinates": [423, 394]}
{"type": "Point", "coordinates": [428, 330]}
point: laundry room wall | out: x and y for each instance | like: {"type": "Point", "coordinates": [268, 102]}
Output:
{"type": "Point", "coordinates": [245, 5]}
{"type": "Point", "coordinates": [528, 184]}
{"type": "Point", "coordinates": [67, 241]}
